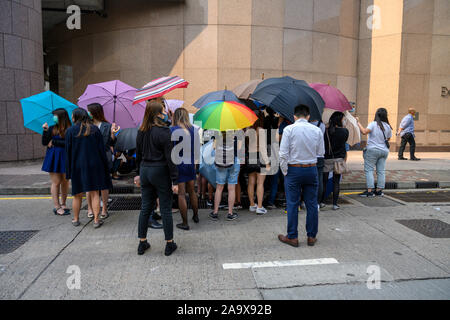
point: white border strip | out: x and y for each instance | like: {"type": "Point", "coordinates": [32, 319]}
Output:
{"type": "Point", "coordinates": [285, 263]}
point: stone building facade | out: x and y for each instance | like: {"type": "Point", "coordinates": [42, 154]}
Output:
{"type": "Point", "coordinates": [380, 53]}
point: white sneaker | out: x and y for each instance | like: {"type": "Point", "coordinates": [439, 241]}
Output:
{"type": "Point", "coordinates": [261, 211]}
{"type": "Point", "coordinates": [253, 208]}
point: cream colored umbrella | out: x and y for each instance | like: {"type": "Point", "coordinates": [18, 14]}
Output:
{"type": "Point", "coordinates": [244, 90]}
{"type": "Point", "coordinates": [354, 135]}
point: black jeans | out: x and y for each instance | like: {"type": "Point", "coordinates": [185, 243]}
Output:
{"type": "Point", "coordinates": [336, 186]}
{"type": "Point", "coordinates": [155, 183]}
{"type": "Point", "coordinates": [407, 138]}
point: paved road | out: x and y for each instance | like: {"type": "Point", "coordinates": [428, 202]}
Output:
{"type": "Point", "coordinates": [353, 241]}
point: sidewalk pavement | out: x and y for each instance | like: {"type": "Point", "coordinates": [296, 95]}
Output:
{"type": "Point", "coordinates": [26, 177]}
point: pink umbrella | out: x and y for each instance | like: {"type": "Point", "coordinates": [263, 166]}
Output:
{"type": "Point", "coordinates": [116, 98]}
{"type": "Point", "coordinates": [173, 104]}
{"type": "Point", "coordinates": [334, 99]}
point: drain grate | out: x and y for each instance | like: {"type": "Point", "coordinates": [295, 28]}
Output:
{"type": "Point", "coordinates": [427, 184]}
{"type": "Point", "coordinates": [431, 228]}
{"type": "Point", "coordinates": [12, 240]}
{"type": "Point", "coordinates": [426, 196]}
{"type": "Point", "coordinates": [122, 189]}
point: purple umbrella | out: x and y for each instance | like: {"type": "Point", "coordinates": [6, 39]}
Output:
{"type": "Point", "coordinates": [334, 99]}
{"type": "Point", "coordinates": [116, 98]}
{"type": "Point", "coordinates": [173, 104]}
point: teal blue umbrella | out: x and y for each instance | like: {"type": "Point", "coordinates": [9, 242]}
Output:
{"type": "Point", "coordinates": [37, 109]}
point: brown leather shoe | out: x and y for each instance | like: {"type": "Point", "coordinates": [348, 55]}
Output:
{"type": "Point", "coordinates": [285, 239]}
{"type": "Point", "coordinates": [311, 241]}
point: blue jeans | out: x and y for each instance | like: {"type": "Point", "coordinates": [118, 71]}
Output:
{"type": "Point", "coordinates": [274, 186]}
{"type": "Point", "coordinates": [296, 181]}
{"type": "Point", "coordinates": [375, 158]}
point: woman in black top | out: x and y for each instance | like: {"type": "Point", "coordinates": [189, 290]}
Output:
{"type": "Point", "coordinates": [157, 174]}
{"type": "Point", "coordinates": [335, 136]}
{"type": "Point", "coordinates": [55, 159]}
{"type": "Point", "coordinates": [86, 164]}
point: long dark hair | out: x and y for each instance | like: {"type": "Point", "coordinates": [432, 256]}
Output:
{"type": "Point", "coordinates": [63, 122]}
{"type": "Point", "coordinates": [382, 116]}
{"type": "Point", "coordinates": [96, 109]}
{"type": "Point", "coordinates": [152, 110]}
{"type": "Point", "coordinates": [335, 121]}
{"type": "Point", "coordinates": [81, 117]}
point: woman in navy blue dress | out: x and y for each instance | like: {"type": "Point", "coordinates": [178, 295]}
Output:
{"type": "Point", "coordinates": [55, 159]}
{"type": "Point", "coordinates": [86, 164]}
{"type": "Point", "coordinates": [182, 129]}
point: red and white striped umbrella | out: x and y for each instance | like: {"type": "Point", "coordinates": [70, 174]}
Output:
{"type": "Point", "coordinates": [159, 87]}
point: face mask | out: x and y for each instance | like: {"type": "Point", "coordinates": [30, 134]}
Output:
{"type": "Point", "coordinates": [55, 119]}
{"type": "Point", "coordinates": [344, 122]}
{"type": "Point", "coordinates": [166, 118]}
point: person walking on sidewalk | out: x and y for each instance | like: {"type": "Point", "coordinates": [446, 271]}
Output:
{"type": "Point", "coordinates": [302, 143]}
{"type": "Point", "coordinates": [55, 159]}
{"type": "Point", "coordinates": [335, 152]}
{"type": "Point", "coordinates": [86, 164]}
{"type": "Point", "coordinates": [183, 129]}
{"type": "Point", "coordinates": [157, 174]}
{"type": "Point", "coordinates": [406, 132]}
{"type": "Point", "coordinates": [376, 152]}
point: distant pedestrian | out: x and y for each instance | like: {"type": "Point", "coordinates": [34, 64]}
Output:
{"type": "Point", "coordinates": [227, 166]}
{"type": "Point", "coordinates": [108, 132]}
{"type": "Point", "coordinates": [186, 169]}
{"type": "Point", "coordinates": [320, 165]}
{"type": "Point", "coordinates": [335, 155]}
{"type": "Point", "coordinates": [157, 174]}
{"type": "Point", "coordinates": [376, 152]}
{"type": "Point", "coordinates": [55, 159]}
{"type": "Point", "coordinates": [302, 143]}
{"type": "Point", "coordinates": [406, 132]}
{"type": "Point", "coordinates": [86, 164]}
{"type": "Point", "coordinates": [255, 178]}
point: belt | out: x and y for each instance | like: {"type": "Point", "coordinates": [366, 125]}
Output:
{"type": "Point", "coordinates": [302, 165]}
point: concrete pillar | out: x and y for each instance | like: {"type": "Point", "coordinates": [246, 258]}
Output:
{"type": "Point", "coordinates": [21, 75]}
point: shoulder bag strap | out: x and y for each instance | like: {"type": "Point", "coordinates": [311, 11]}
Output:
{"type": "Point", "coordinates": [329, 143]}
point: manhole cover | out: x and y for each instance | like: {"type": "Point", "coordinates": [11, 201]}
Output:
{"type": "Point", "coordinates": [426, 196]}
{"type": "Point", "coordinates": [12, 240]}
{"type": "Point", "coordinates": [431, 228]}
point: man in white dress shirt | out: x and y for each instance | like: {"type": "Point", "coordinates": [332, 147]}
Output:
{"type": "Point", "coordinates": [302, 143]}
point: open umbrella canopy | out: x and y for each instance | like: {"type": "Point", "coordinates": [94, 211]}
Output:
{"type": "Point", "coordinates": [244, 90]}
{"type": "Point", "coordinates": [284, 97]}
{"type": "Point", "coordinates": [285, 80]}
{"type": "Point", "coordinates": [354, 135]}
{"type": "Point", "coordinates": [221, 95]}
{"type": "Point", "coordinates": [159, 87]}
{"type": "Point", "coordinates": [225, 115]}
{"type": "Point", "coordinates": [173, 104]}
{"type": "Point", "coordinates": [333, 97]}
{"type": "Point", "coordinates": [38, 108]}
{"type": "Point", "coordinates": [116, 98]}
{"type": "Point", "coordinates": [126, 139]}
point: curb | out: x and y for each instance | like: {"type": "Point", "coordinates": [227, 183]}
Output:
{"type": "Point", "coordinates": [131, 189]}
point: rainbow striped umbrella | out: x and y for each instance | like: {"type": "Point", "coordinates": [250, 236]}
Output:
{"type": "Point", "coordinates": [158, 88]}
{"type": "Point", "coordinates": [225, 115]}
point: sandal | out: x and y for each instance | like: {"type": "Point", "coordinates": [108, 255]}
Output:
{"type": "Point", "coordinates": [104, 216]}
{"type": "Point", "coordinates": [98, 224]}
{"type": "Point", "coordinates": [65, 213]}
{"type": "Point", "coordinates": [90, 215]}
{"type": "Point", "coordinates": [75, 223]}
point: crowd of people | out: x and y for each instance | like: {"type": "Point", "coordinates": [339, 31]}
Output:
{"type": "Point", "coordinates": [81, 150]}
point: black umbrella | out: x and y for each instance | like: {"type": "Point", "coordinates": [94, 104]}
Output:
{"type": "Point", "coordinates": [126, 139]}
{"type": "Point", "coordinates": [284, 97]}
{"type": "Point", "coordinates": [221, 95]}
{"type": "Point", "coordinates": [285, 80]}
